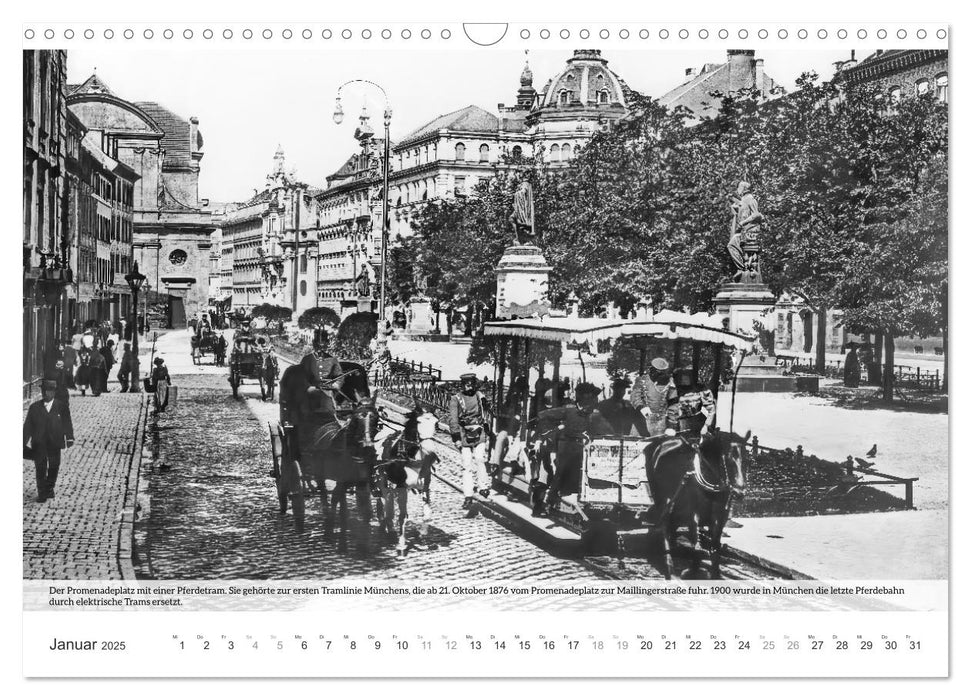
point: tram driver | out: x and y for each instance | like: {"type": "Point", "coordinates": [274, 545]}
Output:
{"type": "Point", "coordinates": [694, 413]}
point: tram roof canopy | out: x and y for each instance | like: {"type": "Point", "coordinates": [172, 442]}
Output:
{"type": "Point", "coordinates": [669, 325]}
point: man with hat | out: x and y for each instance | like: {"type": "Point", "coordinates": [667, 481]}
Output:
{"type": "Point", "coordinates": [653, 395]}
{"type": "Point", "coordinates": [694, 413]}
{"type": "Point", "coordinates": [620, 412]}
{"type": "Point", "coordinates": [47, 430]}
{"type": "Point", "coordinates": [574, 425]}
{"type": "Point", "coordinates": [323, 374]}
{"type": "Point", "coordinates": [468, 424]}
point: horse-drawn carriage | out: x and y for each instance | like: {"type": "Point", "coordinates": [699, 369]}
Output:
{"type": "Point", "coordinates": [245, 361]}
{"type": "Point", "coordinates": [331, 439]}
{"type": "Point", "coordinates": [631, 487]}
{"type": "Point", "coordinates": [202, 344]}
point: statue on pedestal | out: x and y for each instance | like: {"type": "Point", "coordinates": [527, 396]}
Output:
{"type": "Point", "coordinates": [743, 242]}
{"type": "Point", "coordinates": [522, 218]}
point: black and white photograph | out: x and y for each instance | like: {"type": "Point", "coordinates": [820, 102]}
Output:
{"type": "Point", "coordinates": [537, 315]}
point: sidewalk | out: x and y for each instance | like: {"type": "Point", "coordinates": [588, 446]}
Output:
{"type": "Point", "coordinates": [899, 545]}
{"type": "Point", "coordinates": [86, 531]}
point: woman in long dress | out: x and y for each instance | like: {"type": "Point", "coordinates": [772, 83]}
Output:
{"type": "Point", "coordinates": [82, 378]}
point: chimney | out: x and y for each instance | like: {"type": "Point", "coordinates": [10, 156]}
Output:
{"type": "Point", "coordinates": [760, 74]}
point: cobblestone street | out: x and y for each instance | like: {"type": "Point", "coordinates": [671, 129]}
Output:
{"type": "Point", "coordinates": [211, 511]}
{"type": "Point", "coordinates": [81, 533]}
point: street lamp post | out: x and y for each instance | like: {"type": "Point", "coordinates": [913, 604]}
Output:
{"type": "Point", "coordinates": [338, 118]}
{"type": "Point", "coordinates": [135, 279]}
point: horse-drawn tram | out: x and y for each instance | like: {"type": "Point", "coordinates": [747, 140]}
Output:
{"type": "Point", "coordinates": [609, 475]}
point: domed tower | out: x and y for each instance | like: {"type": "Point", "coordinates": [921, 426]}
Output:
{"type": "Point", "coordinates": [578, 101]}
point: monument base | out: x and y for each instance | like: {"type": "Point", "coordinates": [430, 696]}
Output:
{"type": "Point", "coordinates": [747, 307]}
{"type": "Point", "coordinates": [522, 283]}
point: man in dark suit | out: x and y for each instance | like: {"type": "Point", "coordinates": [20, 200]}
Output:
{"type": "Point", "coordinates": [47, 430]}
{"type": "Point", "coordinates": [324, 375]}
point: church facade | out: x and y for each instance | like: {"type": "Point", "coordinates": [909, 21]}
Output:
{"type": "Point", "coordinates": [172, 227]}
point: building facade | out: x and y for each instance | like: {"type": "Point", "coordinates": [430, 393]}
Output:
{"type": "Point", "coordinates": [99, 197]}
{"type": "Point", "coordinates": [271, 246]}
{"type": "Point", "coordinates": [898, 73]}
{"type": "Point", "coordinates": [449, 156]}
{"type": "Point", "coordinates": [46, 257]}
{"type": "Point", "coordinates": [171, 236]}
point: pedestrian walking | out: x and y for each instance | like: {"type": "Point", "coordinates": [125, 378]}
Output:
{"type": "Point", "coordinates": [47, 430]}
{"type": "Point", "coordinates": [468, 424]}
{"type": "Point", "coordinates": [851, 368]}
{"type": "Point", "coordinates": [70, 357]}
{"type": "Point", "coordinates": [82, 378]}
{"type": "Point", "coordinates": [108, 354]}
{"type": "Point", "coordinates": [126, 367]}
{"type": "Point", "coordinates": [96, 365]}
{"type": "Point", "coordinates": [269, 372]}
{"type": "Point", "coordinates": [219, 349]}
{"type": "Point", "coordinates": [160, 384]}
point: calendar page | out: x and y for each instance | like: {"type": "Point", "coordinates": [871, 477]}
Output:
{"type": "Point", "coordinates": [428, 348]}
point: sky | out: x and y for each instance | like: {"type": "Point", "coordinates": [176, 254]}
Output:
{"type": "Point", "coordinates": [250, 101]}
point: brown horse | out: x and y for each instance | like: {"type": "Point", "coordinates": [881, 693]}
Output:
{"type": "Point", "coordinates": [694, 484]}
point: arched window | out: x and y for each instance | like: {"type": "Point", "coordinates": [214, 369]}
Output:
{"type": "Point", "coordinates": [941, 83]}
{"type": "Point", "coordinates": [566, 151]}
{"type": "Point", "coordinates": [517, 153]}
{"type": "Point", "coordinates": [484, 153]}
{"type": "Point", "coordinates": [460, 151]}
{"type": "Point", "coordinates": [555, 152]}
{"type": "Point", "coordinates": [570, 78]}
{"type": "Point", "coordinates": [564, 97]}
{"type": "Point", "coordinates": [603, 97]}
{"type": "Point", "coordinates": [922, 87]}
{"type": "Point", "coordinates": [303, 262]}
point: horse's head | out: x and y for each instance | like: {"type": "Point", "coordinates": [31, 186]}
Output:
{"type": "Point", "coordinates": [364, 420]}
{"type": "Point", "coordinates": [734, 456]}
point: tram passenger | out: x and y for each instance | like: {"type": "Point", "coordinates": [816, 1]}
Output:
{"type": "Point", "coordinates": [654, 394]}
{"type": "Point", "coordinates": [508, 424]}
{"type": "Point", "coordinates": [468, 424]}
{"type": "Point", "coordinates": [574, 425]}
{"type": "Point", "coordinates": [620, 412]}
{"type": "Point", "coordinates": [694, 413]}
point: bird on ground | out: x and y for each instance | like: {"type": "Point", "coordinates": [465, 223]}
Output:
{"type": "Point", "coordinates": [873, 451]}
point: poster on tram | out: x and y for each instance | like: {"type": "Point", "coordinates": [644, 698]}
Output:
{"type": "Point", "coordinates": [580, 347]}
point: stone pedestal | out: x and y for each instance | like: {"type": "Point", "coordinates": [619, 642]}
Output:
{"type": "Point", "coordinates": [746, 304]}
{"type": "Point", "coordinates": [522, 283]}
{"type": "Point", "coordinates": [422, 316]}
